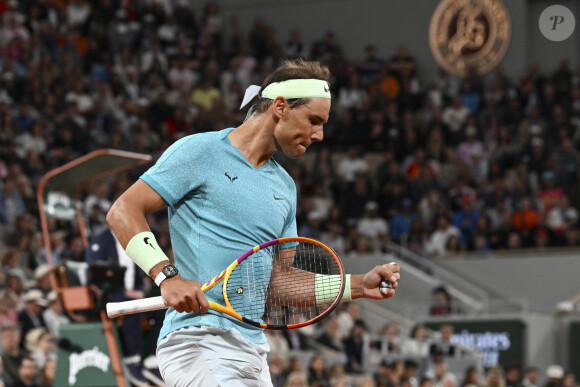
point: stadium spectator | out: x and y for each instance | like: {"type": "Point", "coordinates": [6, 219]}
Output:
{"type": "Point", "coordinates": [442, 344]}
{"type": "Point", "coordinates": [471, 378]}
{"type": "Point", "coordinates": [330, 337]}
{"type": "Point", "coordinates": [513, 376]}
{"type": "Point", "coordinates": [354, 346]}
{"type": "Point", "coordinates": [389, 336]}
{"type": "Point", "coordinates": [346, 318]}
{"type": "Point", "coordinates": [442, 303]}
{"type": "Point", "coordinates": [54, 315]}
{"type": "Point", "coordinates": [436, 245]}
{"type": "Point", "coordinates": [41, 346]}
{"type": "Point", "coordinates": [530, 377]}
{"type": "Point", "coordinates": [569, 380]}
{"type": "Point", "coordinates": [12, 354]}
{"type": "Point", "coordinates": [317, 372]}
{"type": "Point", "coordinates": [371, 225]}
{"type": "Point", "coordinates": [417, 345]}
{"type": "Point", "coordinates": [30, 317]}
{"type": "Point", "coordinates": [441, 375]}
{"type": "Point", "coordinates": [495, 377]}
{"type": "Point", "coordinates": [554, 375]}
{"type": "Point", "coordinates": [28, 373]}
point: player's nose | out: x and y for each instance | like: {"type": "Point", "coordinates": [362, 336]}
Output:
{"type": "Point", "coordinates": [317, 134]}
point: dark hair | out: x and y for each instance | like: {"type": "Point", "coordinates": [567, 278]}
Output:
{"type": "Point", "coordinates": [291, 69]}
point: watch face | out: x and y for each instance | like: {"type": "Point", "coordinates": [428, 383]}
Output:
{"type": "Point", "coordinates": [170, 271]}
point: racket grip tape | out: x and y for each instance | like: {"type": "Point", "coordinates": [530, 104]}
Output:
{"type": "Point", "coordinates": [115, 309]}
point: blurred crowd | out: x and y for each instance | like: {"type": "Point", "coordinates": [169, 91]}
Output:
{"type": "Point", "coordinates": [441, 166]}
{"type": "Point", "coordinates": [388, 358]}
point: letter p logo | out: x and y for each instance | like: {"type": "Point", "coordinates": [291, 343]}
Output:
{"type": "Point", "coordinates": [556, 23]}
{"type": "Point", "coordinates": [557, 20]}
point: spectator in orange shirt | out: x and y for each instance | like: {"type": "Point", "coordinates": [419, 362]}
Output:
{"type": "Point", "coordinates": [526, 218]}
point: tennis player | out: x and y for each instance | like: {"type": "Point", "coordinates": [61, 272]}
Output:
{"type": "Point", "coordinates": [225, 194]}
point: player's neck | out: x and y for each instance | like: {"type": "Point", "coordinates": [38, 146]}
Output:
{"type": "Point", "coordinates": [255, 140]}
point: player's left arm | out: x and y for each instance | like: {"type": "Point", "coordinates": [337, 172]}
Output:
{"type": "Point", "coordinates": [369, 285]}
{"type": "Point", "coordinates": [303, 290]}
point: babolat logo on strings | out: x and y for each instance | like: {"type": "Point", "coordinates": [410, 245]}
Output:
{"type": "Point", "coordinates": [231, 178]}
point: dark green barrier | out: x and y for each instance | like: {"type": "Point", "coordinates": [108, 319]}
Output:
{"type": "Point", "coordinates": [83, 357]}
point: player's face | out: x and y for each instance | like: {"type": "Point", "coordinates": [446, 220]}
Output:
{"type": "Point", "coordinates": [301, 127]}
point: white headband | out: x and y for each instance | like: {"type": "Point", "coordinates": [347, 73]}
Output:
{"type": "Point", "coordinates": [290, 89]}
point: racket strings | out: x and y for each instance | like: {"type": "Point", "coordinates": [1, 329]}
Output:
{"type": "Point", "coordinates": [281, 284]}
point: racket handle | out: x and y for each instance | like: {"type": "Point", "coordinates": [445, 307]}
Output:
{"type": "Point", "coordinates": [115, 309]}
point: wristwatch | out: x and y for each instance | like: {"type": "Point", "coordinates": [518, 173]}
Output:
{"type": "Point", "coordinates": [168, 271]}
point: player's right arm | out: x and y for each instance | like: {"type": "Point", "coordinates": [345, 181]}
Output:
{"type": "Point", "coordinates": [127, 219]}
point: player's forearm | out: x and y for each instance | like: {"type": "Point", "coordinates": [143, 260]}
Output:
{"type": "Point", "coordinates": [301, 292]}
{"type": "Point", "coordinates": [126, 221]}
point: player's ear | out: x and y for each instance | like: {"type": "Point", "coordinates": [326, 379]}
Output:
{"type": "Point", "coordinates": [280, 107]}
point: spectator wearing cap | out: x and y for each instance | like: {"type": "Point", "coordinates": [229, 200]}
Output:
{"type": "Point", "coordinates": [31, 316]}
{"type": "Point", "coordinates": [54, 316]}
{"type": "Point", "coordinates": [42, 278]}
{"type": "Point", "coordinates": [555, 374]}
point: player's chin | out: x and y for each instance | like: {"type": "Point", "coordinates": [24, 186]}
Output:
{"type": "Point", "coordinates": [296, 152]}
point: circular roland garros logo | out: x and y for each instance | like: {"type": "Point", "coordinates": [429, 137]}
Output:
{"type": "Point", "coordinates": [557, 23]}
{"type": "Point", "coordinates": [469, 35]}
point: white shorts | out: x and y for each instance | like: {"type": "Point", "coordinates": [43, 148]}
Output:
{"type": "Point", "coordinates": [211, 357]}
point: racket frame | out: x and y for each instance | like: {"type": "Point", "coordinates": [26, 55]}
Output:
{"type": "Point", "coordinates": [225, 275]}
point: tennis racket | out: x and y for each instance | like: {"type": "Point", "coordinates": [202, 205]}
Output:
{"type": "Point", "coordinates": [285, 283]}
